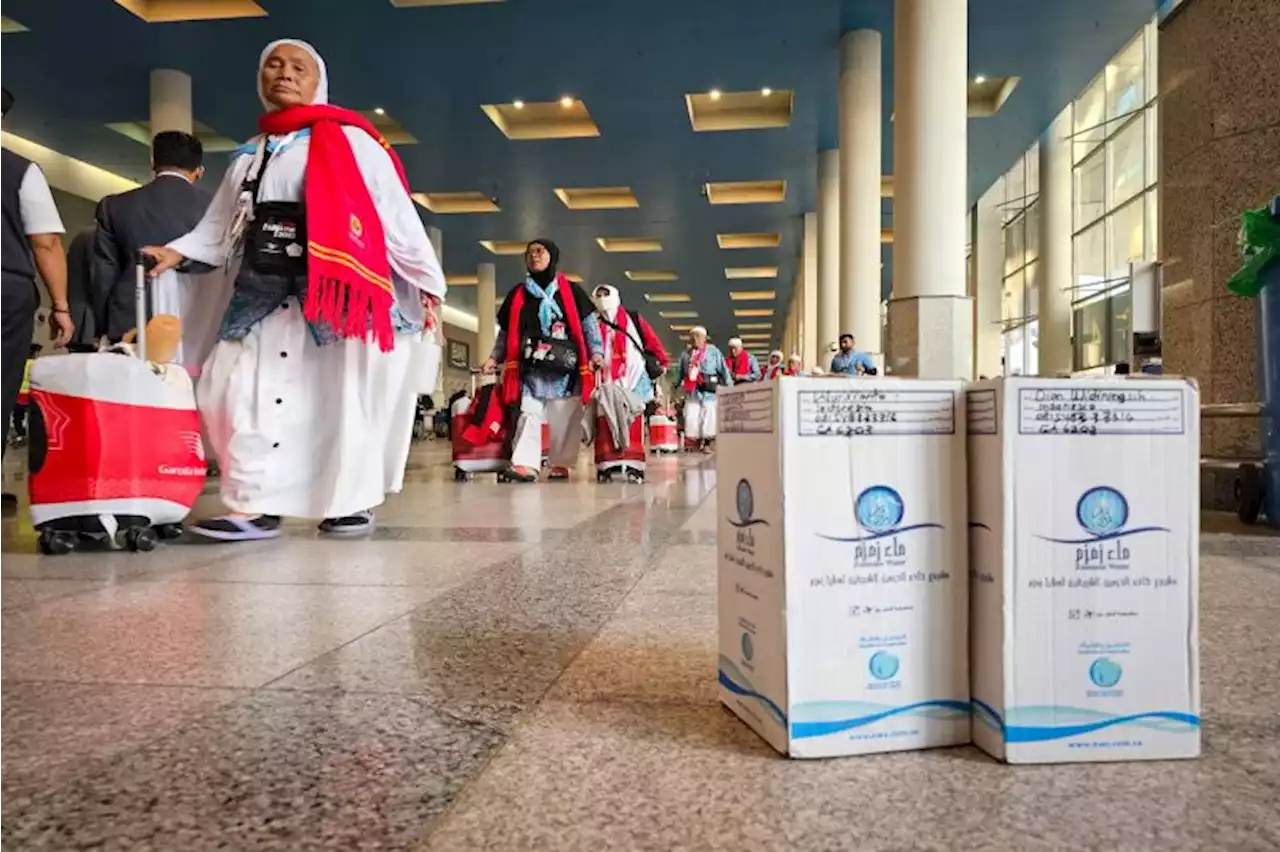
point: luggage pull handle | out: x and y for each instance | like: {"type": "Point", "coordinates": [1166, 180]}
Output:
{"type": "Point", "coordinates": [145, 264]}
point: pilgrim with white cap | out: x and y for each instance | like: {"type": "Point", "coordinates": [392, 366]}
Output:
{"type": "Point", "coordinates": [743, 366]}
{"type": "Point", "coordinates": [702, 371]}
{"type": "Point", "coordinates": [795, 366]}
{"type": "Point", "coordinates": [308, 397]}
{"type": "Point", "coordinates": [775, 366]}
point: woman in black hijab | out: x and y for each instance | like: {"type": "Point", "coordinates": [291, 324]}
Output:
{"type": "Point", "coordinates": [549, 353]}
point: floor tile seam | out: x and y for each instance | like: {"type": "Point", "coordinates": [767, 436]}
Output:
{"type": "Point", "coordinates": [131, 684]}
{"type": "Point", "coordinates": [521, 719]}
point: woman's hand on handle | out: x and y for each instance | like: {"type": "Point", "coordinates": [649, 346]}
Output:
{"type": "Point", "coordinates": [165, 259]}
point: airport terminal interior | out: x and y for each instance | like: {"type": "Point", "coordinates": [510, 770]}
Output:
{"type": "Point", "coordinates": [1026, 200]}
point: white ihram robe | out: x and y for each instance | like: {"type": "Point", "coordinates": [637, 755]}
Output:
{"type": "Point", "coordinates": [303, 430]}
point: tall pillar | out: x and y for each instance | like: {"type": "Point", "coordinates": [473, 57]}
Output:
{"type": "Point", "coordinates": [988, 281]}
{"type": "Point", "coordinates": [170, 100]}
{"type": "Point", "coordinates": [1054, 311]}
{"type": "Point", "coordinates": [860, 161]}
{"type": "Point", "coordinates": [828, 253]}
{"type": "Point", "coordinates": [809, 282]}
{"type": "Point", "coordinates": [486, 309]}
{"type": "Point", "coordinates": [930, 317]}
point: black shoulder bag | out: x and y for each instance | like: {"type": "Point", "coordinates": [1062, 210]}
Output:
{"type": "Point", "coordinates": [276, 238]}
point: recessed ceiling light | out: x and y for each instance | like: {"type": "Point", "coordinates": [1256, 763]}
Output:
{"type": "Point", "coordinates": [667, 297]}
{"type": "Point", "coordinates": [559, 119]}
{"type": "Point", "coordinates": [566, 101]}
{"type": "Point", "coordinates": [682, 328]}
{"type": "Point", "coordinates": [766, 91]}
{"type": "Point", "coordinates": [597, 197]}
{"type": "Point", "coordinates": [748, 241]}
{"type": "Point", "coordinates": [629, 244]}
{"type": "Point", "coordinates": [746, 192]}
{"type": "Point", "coordinates": [733, 272]}
{"type": "Point", "coordinates": [503, 247]}
{"type": "Point", "coordinates": [752, 295]}
{"type": "Point", "coordinates": [715, 94]}
{"type": "Point", "coordinates": [979, 79]}
{"type": "Point", "coordinates": [747, 326]}
{"type": "Point", "coordinates": [456, 202]}
{"type": "Point", "coordinates": [462, 279]}
{"type": "Point", "coordinates": [518, 104]}
{"type": "Point", "coordinates": [650, 275]}
{"type": "Point", "coordinates": [678, 314]}
{"type": "Point", "coordinates": [380, 110]}
{"type": "Point", "coordinates": [753, 312]}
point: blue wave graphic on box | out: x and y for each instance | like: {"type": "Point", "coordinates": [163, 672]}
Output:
{"type": "Point", "coordinates": [1093, 539]}
{"type": "Point", "coordinates": [732, 679]}
{"type": "Point", "coordinates": [821, 718]}
{"type": "Point", "coordinates": [1046, 723]}
{"type": "Point", "coordinates": [882, 534]}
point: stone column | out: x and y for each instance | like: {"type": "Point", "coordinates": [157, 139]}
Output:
{"type": "Point", "coordinates": [809, 281]}
{"type": "Point", "coordinates": [828, 252]}
{"type": "Point", "coordinates": [930, 317]}
{"type": "Point", "coordinates": [170, 101]}
{"type": "Point", "coordinates": [988, 281]}
{"type": "Point", "coordinates": [1054, 312]}
{"type": "Point", "coordinates": [860, 161]}
{"type": "Point", "coordinates": [486, 310]}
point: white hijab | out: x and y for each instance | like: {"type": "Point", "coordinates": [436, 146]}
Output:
{"type": "Point", "coordinates": [322, 87]}
{"type": "Point", "coordinates": [608, 301]}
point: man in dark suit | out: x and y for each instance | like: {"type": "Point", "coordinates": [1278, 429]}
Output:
{"type": "Point", "coordinates": [152, 215]}
{"type": "Point", "coordinates": [80, 293]}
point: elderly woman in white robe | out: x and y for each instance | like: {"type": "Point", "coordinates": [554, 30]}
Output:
{"type": "Point", "coordinates": [308, 396]}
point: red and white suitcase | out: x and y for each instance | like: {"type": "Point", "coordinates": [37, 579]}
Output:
{"type": "Point", "coordinates": [469, 459]}
{"type": "Point", "coordinates": [546, 443]}
{"type": "Point", "coordinates": [663, 435]}
{"type": "Point", "coordinates": [611, 461]}
{"type": "Point", "coordinates": [115, 453]}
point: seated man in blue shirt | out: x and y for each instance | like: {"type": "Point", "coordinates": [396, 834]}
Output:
{"type": "Point", "coordinates": [850, 362]}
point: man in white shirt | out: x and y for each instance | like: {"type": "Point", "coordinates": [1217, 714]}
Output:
{"type": "Point", "coordinates": [32, 241]}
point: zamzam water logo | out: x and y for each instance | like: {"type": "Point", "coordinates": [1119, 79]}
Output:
{"type": "Point", "coordinates": [880, 512]}
{"type": "Point", "coordinates": [746, 506]}
{"type": "Point", "coordinates": [357, 230]}
{"type": "Point", "coordinates": [1105, 674]}
{"type": "Point", "coordinates": [1103, 513]}
{"type": "Point", "coordinates": [883, 668]}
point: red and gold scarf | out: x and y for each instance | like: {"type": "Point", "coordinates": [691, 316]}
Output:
{"type": "Point", "coordinates": [348, 274]}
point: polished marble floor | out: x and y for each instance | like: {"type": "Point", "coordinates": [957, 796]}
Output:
{"type": "Point", "coordinates": [529, 668]}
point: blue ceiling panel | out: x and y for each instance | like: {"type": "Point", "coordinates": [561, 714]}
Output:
{"type": "Point", "coordinates": [86, 62]}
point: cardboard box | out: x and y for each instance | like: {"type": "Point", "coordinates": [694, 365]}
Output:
{"type": "Point", "coordinates": [1084, 533]}
{"type": "Point", "coordinates": [843, 601]}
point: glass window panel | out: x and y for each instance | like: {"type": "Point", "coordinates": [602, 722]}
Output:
{"type": "Point", "coordinates": [1033, 289]}
{"type": "Point", "coordinates": [1090, 190]}
{"type": "Point", "coordinates": [1091, 335]}
{"type": "Point", "coordinates": [1015, 244]}
{"type": "Point", "coordinates": [1089, 109]}
{"type": "Point", "coordinates": [1121, 309]}
{"type": "Point", "coordinates": [1032, 362]}
{"type": "Point", "coordinates": [1125, 78]}
{"type": "Point", "coordinates": [1090, 262]}
{"type": "Point", "coordinates": [1153, 226]}
{"type": "Point", "coordinates": [1012, 307]}
{"type": "Point", "coordinates": [1015, 186]}
{"type": "Point", "coordinates": [1126, 156]}
{"type": "Point", "coordinates": [1014, 354]}
{"type": "Point", "coordinates": [1033, 232]}
{"type": "Point", "coordinates": [1153, 143]}
{"type": "Point", "coordinates": [1125, 244]}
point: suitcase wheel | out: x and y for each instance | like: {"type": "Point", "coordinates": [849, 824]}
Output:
{"type": "Point", "coordinates": [57, 543]}
{"type": "Point", "coordinates": [460, 475]}
{"type": "Point", "coordinates": [604, 476]}
{"type": "Point", "coordinates": [635, 475]}
{"type": "Point", "coordinates": [138, 539]}
{"type": "Point", "coordinates": [169, 532]}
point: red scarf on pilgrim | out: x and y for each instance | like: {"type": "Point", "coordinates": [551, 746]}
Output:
{"type": "Point", "coordinates": [511, 384]}
{"type": "Point", "coordinates": [773, 371]}
{"type": "Point", "coordinates": [740, 365]}
{"type": "Point", "coordinates": [348, 273]}
{"type": "Point", "coordinates": [618, 357]}
{"type": "Point", "coordinates": [695, 359]}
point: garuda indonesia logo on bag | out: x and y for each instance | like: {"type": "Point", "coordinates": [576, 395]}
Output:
{"type": "Point", "coordinates": [1103, 513]}
{"type": "Point", "coordinates": [880, 513]}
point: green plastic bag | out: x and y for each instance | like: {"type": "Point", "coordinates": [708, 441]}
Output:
{"type": "Point", "coordinates": [1259, 248]}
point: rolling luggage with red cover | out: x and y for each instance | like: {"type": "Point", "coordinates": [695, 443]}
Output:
{"type": "Point", "coordinates": [611, 461]}
{"type": "Point", "coordinates": [115, 456]}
